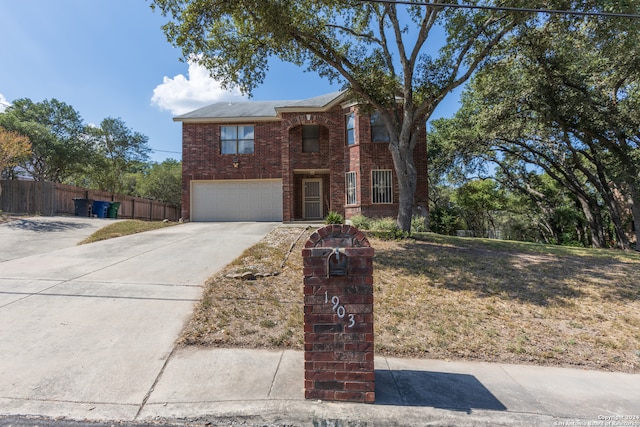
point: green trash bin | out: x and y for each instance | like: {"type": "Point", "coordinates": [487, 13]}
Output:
{"type": "Point", "coordinates": [112, 212]}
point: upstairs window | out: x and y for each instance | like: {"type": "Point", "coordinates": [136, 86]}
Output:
{"type": "Point", "coordinates": [379, 131]}
{"type": "Point", "coordinates": [351, 129]}
{"type": "Point", "coordinates": [236, 139]}
{"type": "Point", "coordinates": [381, 186]}
{"type": "Point", "coordinates": [310, 138]}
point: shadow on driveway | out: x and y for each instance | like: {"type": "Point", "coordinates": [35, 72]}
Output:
{"type": "Point", "coordinates": [456, 392]}
{"type": "Point", "coordinates": [46, 226]}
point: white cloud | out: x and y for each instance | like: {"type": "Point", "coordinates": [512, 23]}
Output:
{"type": "Point", "coordinates": [182, 94]}
{"type": "Point", "coordinates": [3, 103]}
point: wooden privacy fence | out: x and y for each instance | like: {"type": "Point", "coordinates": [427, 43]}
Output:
{"type": "Point", "coordinates": [48, 198]}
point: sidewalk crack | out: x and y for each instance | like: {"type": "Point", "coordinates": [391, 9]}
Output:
{"type": "Point", "coordinates": [273, 380]}
{"type": "Point", "coordinates": [395, 382]}
{"type": "Point", "coordinates": [155, 383]}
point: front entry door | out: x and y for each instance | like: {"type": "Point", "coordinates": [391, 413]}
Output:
{"type": "Point", "coordinates": [312, 198]}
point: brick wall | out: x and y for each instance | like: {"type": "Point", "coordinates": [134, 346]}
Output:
{"type": "Point", "coordinates": [201, 158]}
{"type": "Point", "coordinates": [338, 316]}
{"type": "Point", "coordinates": [278, 152]}
{"type": "Point", "coordinates": [329, 162]}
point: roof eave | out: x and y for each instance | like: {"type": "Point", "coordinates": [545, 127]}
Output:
{"type": "Point", "coordinates": [243, 119]}
{"type": "Point", "coordinates": [315, 109]}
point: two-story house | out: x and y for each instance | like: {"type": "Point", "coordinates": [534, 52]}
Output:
{"type": "Point", "coordinates": [289, 161]}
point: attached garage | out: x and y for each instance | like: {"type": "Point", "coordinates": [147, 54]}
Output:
{"type": "Point", "coordinates": [246, 200]}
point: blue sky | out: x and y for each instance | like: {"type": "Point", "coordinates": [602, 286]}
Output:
{"type": "Point", "coordinates": [110, 58]}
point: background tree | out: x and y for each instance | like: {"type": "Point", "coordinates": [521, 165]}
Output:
{"type": "Point", "coordinates": [562, 97]}
{"type": "Point", "coordinates": [162, 181]}
{"type": "Point", "coordinates": [383, 52]}
{"type": "Point", "coordinates": [119, 154]}
{"type": "Point", "coordinates": [481, 201]}
{"type": "Point", "coordinates": [59, 147]}
{"type": "Point", "coordinates": [13, 147]}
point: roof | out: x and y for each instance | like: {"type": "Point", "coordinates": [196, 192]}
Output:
{"type": "Point", "coordinates": [259, 110]}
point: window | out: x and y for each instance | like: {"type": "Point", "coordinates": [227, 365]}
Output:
{"type": "Point", "coordinates": [378, 129]}
{"type": "Point", "coordinates": [351, 129]}
{"type": "Point", "coordinates": [351, 188]}
{"type": "Point", "coordinates": [381, 186]}
{"type": "Point", "coordinates": [236, 139]}
{"type": "Point", "coordinates": [310, 138]}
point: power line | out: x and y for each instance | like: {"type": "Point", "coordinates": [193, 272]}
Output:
{"type": "Point", "coordinates": [510, 9]}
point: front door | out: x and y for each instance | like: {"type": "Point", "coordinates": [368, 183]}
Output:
{"type": "Point", "coordinates": [312, 198]}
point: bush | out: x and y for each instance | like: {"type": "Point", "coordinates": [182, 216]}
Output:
{"type": "Point", "coordinates": [334, 218]}
{"type": "Point", "coordinates": [386, 228]}
{"type": "Point", "coordinates": [383, 224]}
{"type": "Point", "coordinates": [418, 224]}
{"type": "Point", "coordinates": [361, 221]}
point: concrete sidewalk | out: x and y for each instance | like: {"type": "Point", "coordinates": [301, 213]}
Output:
{"type": "Point", "coordinates": [265, 387]}
{"type": "Point", "coordinates": [260, 387]}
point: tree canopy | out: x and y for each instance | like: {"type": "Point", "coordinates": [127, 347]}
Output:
{"type": "Point", "coordinates": [49, 141]}
{"type": "Point", "coordinates": [59, 147]}
{"type": "Point", "coordinates": [561, 98]}
{"type": "Point", "coordinates": [119, 152]}
{"type": "Point", "coordinates": [401, 60]}
{"type": "Point", "coordinates": [162, 181]}
{"type": "Point", "coordinates": [13, 147]}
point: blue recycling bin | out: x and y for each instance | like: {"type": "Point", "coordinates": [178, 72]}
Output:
{"type": "Point", "coordinates": [100, 208]}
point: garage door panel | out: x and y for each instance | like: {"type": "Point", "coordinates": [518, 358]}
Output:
{"type": "Point", "coordinates": [236, 200]}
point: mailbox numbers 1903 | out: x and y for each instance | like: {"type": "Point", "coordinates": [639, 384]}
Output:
{"type": "Point", "coordinates": [339, 309]}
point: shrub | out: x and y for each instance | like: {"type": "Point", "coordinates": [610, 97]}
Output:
{"type": "Point", "coordinates": [361, 221]}
{"type": "Point", "coordinates": [418, 224]}
{"type": "Point", "coordinates": [383, 224]}
{"type": "Point", "coordinates": [334, 218]}
{"type": "Point", "coordinates": [386, 228]}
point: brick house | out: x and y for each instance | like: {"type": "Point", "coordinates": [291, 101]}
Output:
{"type": "Point", "coordinates": [289, 161]}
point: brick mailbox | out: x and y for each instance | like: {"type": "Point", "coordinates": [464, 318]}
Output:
{"type": "Point", "coordinates": [338, 315]}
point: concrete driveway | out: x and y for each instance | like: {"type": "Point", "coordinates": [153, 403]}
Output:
{"type": "Point", "coordinates": [88, 329]}
{"type": "Point", "coordinates": [35, 235]}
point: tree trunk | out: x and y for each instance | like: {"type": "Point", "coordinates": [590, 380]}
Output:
{"type": "Point", "coordinates": [402, 154]}
{"type": "Point", "coordinates": [614, 211]}
{"type": "Point", "coordinates": [594, 220]}
{"type": "Point", "coordinates": [635, 211]}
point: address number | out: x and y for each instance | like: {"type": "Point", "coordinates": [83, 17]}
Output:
{"type": "Point", "coordinates": [339, 309]}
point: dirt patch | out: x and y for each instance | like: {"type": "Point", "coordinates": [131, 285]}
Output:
{"type": "Point", "coordinates": [6, 218]}
{"type": "Point", "coordinates": [447, 299]}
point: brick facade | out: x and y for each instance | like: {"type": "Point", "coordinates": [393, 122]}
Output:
{"type": "Point", "coordinates": [338, 316]}
{"type": "Point", "coordinates": [278, 155]}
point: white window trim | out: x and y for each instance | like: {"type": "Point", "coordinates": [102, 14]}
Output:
{"type": "Point", "coordinates": [351, 183]}
{"type": "Point", "coordinates": [382, 195]}
{"type": "Point", "coordinates": [353, 129]}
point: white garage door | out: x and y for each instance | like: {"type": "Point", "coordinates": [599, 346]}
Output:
{"type": "Point", "coordinates": [236, 200]}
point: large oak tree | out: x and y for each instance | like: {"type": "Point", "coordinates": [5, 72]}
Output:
{"type": "Point", "coordinates": [564, 98]}
{"type": "Point", "coordinates": [400, 58]}
{"type": "Point", "coordinates": [59, 146]}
